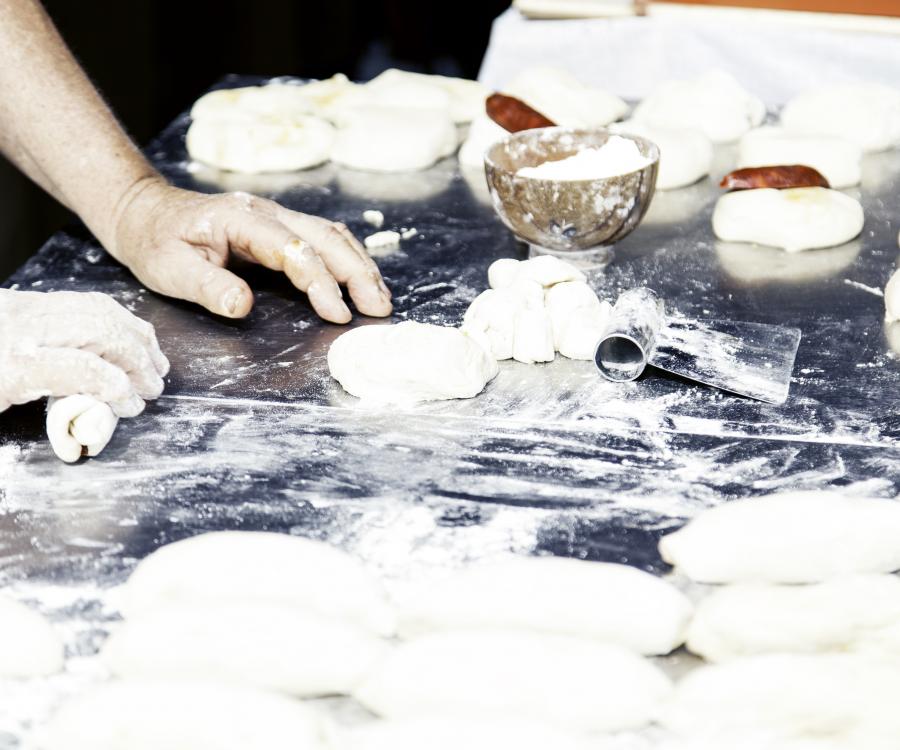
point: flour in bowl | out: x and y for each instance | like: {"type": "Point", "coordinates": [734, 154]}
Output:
{"type": "Point", "coordinates": [615, 157]}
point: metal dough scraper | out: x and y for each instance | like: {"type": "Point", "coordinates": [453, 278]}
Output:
{"type": "Point", "coordinates": [749, 359]}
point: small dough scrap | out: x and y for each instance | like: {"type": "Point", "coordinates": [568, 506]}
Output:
{"type": "Point", "coordinates": [866, 113]}
{"type": "Point", "coordinates": [181, 716]}
{"type": "Point", "coordinates": [581, 685]}
{"type": "Point", "coordinates": [794, 219]}
{"type": "Point", "coordinates": [393, 139]}
{"type": "Point", "coordinates": [410, 362]}
{"type": "Point", "coordinates": [602, 601]}
{"type": "Point", "coordinates": [442, 733]}
{"type": "Point", "coordinates": [714, 103]}
{"type": "Point", "coordinates": [374, 217]}
{"type": "Point", "coordinates": [788, 696]}
{"type": "Point", "coordinates": [29, 646]}
{"type": "Point", "coordinates": [835, 158]}
{"type": "Point", "coordinates": [532, 336]}
{"type": "Point", "coordinates": [503, 273]}
{"type": "Point", "coordinates": [548, 270]}
{"type": "Point", "coordinates": [258, 566]}
{"type": "Point", "coordinates": [583, 331]}
{"type": "Point", "coordinates": [892, 298]}
{"type": "Point", "coordinates": [483, 133]}
{"type": "Point", "coordinates": [79, 425]}
{"type": "Point", "coordinates": [685, 154]}
{"type": "Point", "coordinates": [794, 537]}
{"type": "Point", "coordinates": [561, 97]}
{"type": "Point", "coordinates": [268, 646]}
{"type": "Point", "coordinates": [854, 613]}
{"type": "Point", "coordinates": [380, 241]}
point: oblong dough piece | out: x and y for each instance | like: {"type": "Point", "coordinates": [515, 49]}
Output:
{"type": "Point", "coordinates": [796, 537]}
{"type": "Point", "coordinates": [410, 362]}
{"type": "Point", "coordinates": [268, 646]}
{"type": "Point", "coordinates": [29, 646]}
{"type": "Point", "coordinates": [79, 425]}
{"type": "Point", "coordinates": [794, 219]}
{"type": "Point", "coordinates": [393, 139]}
{"type": "Point", "coordinates": [685, 154]}
{"type": "Point", "coordinates": [837, 159]}
{"type": "Point", "coordinates": [442, 733]}
{"type": "Point", "coordinates": [181, 716]}
{"type": "Point", "coordinates": [603, 601]}
{"type": "Point", "coordinates": [866, 113]}
{"type": "Point", "coordinates": [714, 103]}
{"type": "Point", "coordinates": [579, 684]}
{"type": "Point", "coordinates": [257, 566]}
{"type": "Point", "coordinates": [892, 298]}
{"type": "Point", "coordinates": [852, 613]}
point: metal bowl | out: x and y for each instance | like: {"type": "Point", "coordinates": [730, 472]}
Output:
{"type": "Point", "coordinates": [566, 215]}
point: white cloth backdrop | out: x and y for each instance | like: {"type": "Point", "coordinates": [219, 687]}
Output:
{"type": "Point", "coordinates": [630, 56]}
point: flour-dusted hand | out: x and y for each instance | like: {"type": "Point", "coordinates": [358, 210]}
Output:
{"type": "Point", "coordinates": [178, 243]}
{"type": "Point", "coordinates": [63, 343]}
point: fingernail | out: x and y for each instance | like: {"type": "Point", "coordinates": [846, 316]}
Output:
{"type": "Point", "coordinates": [232, 297]}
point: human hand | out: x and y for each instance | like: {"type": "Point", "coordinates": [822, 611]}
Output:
{"type": "Point", "coordinates": [64, 343]}
{"type": "Point", "coordinates": [178, 243]}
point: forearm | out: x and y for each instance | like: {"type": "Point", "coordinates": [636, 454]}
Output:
{"type": "Point", "coordinates": [57, 129]}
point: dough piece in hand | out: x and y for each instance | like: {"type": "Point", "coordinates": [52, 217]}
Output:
{"type": "Point", "coordinates": [29, 646]}
{"type": "Point", "coordinates": [268, 646]}
{"type": "Point", "coordinates": [483, 133]}
{"type": "Point", "coordinates": [714, 103]}
{"type": "Point", "coordinates": [382, 139]}
{"type": "Point", "coordinates": [181, 716]}
{"type": "Point", "coordinates": [532, 336]}
{"type": "Point", "coordinates": [578, 684]}
{"type": "Point", "coordinates": [892, 298]}
{"type": "Point", "coordinates": [602, 601]}
{"type": "Point", "coordinates": [852, 613]}
{"type": "Point", "coordinates": [410, 362]}
{"type": "Point", "coordinates": [561, 97]}
{"type": "Point", "coordinates": [257, 566]}
{"type": "Point", "coordinates": [837, 159]}
{"type": "Point", "coordinates": [442, 733]}
{"type": "Point", "coordinates": [788, 696]}
{"type": "Point", "coordinates": [794, 219]}
{"type": "Point", "coordinates": [867, 114]}
{"type": "Point", "coordinates": [794, 537]}
{"type": "Point", "coordinates": [686, 154]}
{"type": "Point", "coordinates": [79, 426]}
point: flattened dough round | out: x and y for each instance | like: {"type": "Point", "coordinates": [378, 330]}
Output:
{"type": "Point", "coordinates": [181, 715]}
{"type": "Point", "coordinates": [796, 537]}
{"type": "Point", "coordinates": [29, 646]}
{"type": "Point", "coordinates": [795, 219]}
{"type": "Point", "coordinates": [258, 566]}
{"type": "Point", "coordinates": [79, 425]}
{"type": "Point", "coordinates": [686, 154]}
{"type": "Point", "coordinates": [579, 684]}
{"type": "Point", "coordinates": [866, 113]}
{"type": "Point", "coordinates": [835, 158]}
{"type": "Point", "coordinates": [410, 362]}
{"type": "Point", "coordinates": [602, 601]}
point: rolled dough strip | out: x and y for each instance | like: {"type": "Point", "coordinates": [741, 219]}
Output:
{"type": "Point", "coordinates": [79, 426]}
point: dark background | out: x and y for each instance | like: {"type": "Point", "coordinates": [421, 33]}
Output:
{"type": "Point", "coordinates": [152, 58]}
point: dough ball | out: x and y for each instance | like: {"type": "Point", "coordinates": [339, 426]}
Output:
{"type": "Point", "coordinates": [602, 601]}
{"type": "Point", "coordinates": [274, 100]}
{"type": "Point", "coordinates": [79, 425]}
{"type": "Point", "coordinates": [583, 331]}
{"type": "Point", "coordinates": [462, 99]}
{"type": "Point", "coordinates": [258, 644]}
{"type": "Point", "coordinates": [330, 97]}
{"type": "Point", "coordinates": [483, 133]}
{"type": "Point", "coordinates": [565, 300]}
{"type": "Point", "coordinates": [181, 716]}
{"type": "Point", "coordinates": [439, 733]}
{"type": "Point", "coordinates": [578, 684]}
{"type": "Point", "coordinates": [503, 273]}
{"type": "Point", "coordinates": [560, 96]}
{"type": "Point", "coordinates": [548, 270]}
{"type": "Point", "coordinates": [795, 219]}
{"type": "Point", "coordinates": [686, 155]}
{"type": "Point", "coordinates": [892, 298]}
{"type": "Point", "coordinates": [257, 566]}
{"type": "Point", "coordinates": [836, 159]}
{"type": "Point", "coordinates": [383, 139]}
{"type": "Point", "coordinates": [410, 362]}
{"type": "Point", "coordinates": [493, 313]}
{"type": "Point", "coordinates": [852, 613]}
{"type": "Point", "coordinates": [261, 145]}
{"type": "Point", "coordinates": [788, 697]}
{"type": "Point", "coordinates": [532, 336]}
{"type": "Point", "coordinates": [714, 103]}
{"type": "Point", "coordinates": [867, 114]}
{"type": "Point", "coordinates": [29, 646]}
{"type": "Point", "coordinates": [796, 537]}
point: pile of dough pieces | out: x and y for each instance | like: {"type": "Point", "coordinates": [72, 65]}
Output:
{"type": "Point", "coordinates": [533, 309]}
{"type": "Point", "coordinates": [226, 634]}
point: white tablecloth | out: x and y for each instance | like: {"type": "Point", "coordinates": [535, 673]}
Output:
{"type": "Point", "coordinates": [630, 56]}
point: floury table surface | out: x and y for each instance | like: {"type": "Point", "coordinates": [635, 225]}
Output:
{"type": "Point", "coordinates": [253, 434]}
